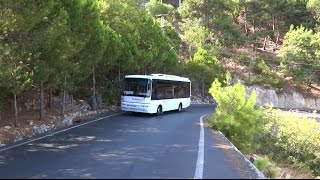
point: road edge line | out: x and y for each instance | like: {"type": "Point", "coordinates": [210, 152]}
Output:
{"type": "Point", "coordinates": [198, 174]}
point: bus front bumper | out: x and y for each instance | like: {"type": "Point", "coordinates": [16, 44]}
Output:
{"type": "Point", "coordinates": [135, 107]}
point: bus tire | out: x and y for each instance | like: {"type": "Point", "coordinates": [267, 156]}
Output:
{"type": "Point", "coordinates": [179, 107]}
{"type": "Point", "coordinates": [159, 110]}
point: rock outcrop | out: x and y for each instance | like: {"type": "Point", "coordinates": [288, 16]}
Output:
{"type": "Point", "coordinates": [293, 100]}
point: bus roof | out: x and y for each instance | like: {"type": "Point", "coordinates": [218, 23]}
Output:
{"type": "Point", "coordinates": [160, 76]}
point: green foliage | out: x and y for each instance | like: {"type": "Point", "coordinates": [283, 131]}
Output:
{"type": "Point", "coordinates": [110, 94]}
{"type": "Point", "coordinates": [236, 115]}
{"type": "Point", "coordinates": [296, 13]}
{"type": "Point", "coordinates": [314, 7]}
{"type": "Point", "coordinates": [215, 17]}
{"type": "Point", "coordinates": [295, 139]}
{"type": "Point", "coordinates": [261, 67]}
{"type": "Point", "coordinates": [267, 81]}
{"type": "Point", "coordinates": [44, 42]}
{"type": "Point", "coordinates": [204, 68]}
{"type": "Point", "coordinates": [262, 164]}
{"type": "Point", "coordinates": [228, 34]}
{"type": "Point", "coordinates": [199, 37]}
{"type": "Point", "coordinates": [300, 54]}
{"type": "Point", "coordinates": [243, 59]}
{"type": "Point", "coordinates": [265, 76]}
{"type": "Point", "coordinates": [14, 73]}
{"type": "Point", "coordinates": [265, 167]}
{"type": "Point", "coordinates": [156, 7]}
{"type": "Point", "coordinates": [271, 172]}
{"type": "Point", "coordinates": [144, 47]}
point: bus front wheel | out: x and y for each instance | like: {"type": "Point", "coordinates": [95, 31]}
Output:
{"type": "Point", "coordinates": [159, 110]}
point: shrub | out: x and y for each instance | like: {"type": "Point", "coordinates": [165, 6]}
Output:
{"type": "Point", "coordinates": [262, 164]}
{"type": "Point", "coordinates": [267, 81]}
{"type": "Point", "coordinates": [155, 7]}
{"type": "Point", "coordinates": [294, 139]}
{"type": "Point", "coordinates": [271, 172]}
{"type": "Point", "coordinates": [266, 76]}
{"type": "Point", "coordinates": [261, 67]}
{"type": "Point", "coordinates": [236, 115]}
{"type": "Point", "coordinates": [243, 59]}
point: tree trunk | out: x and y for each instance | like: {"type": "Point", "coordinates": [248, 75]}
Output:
{"type": "Point", "coordinates": [72, 105]}
{"type": "Point", "coordinates": [273, 23]}
{"type": "Point", "coordinates": [276, 44]}
{"type": "Point", "coordinates": [245, 24]}
{"type": "Point", "coordinates": [254, 27]}
{"type": "Point", "coordinates": [63, 96]}
{"type": "Point", "coordinates": [15, 110]}
{"type": "Point", "coordinates": [119, 71]}
{"type": "Point", "coordinates": [265, 42]}
{"type": "Point", "coordinates": [50, 99]}
{"type": "Point", "coordinates": [94, 102]}
{"type": "Point", "coordinates": [202, 84]}
{"type": "Point", "coordinates": [246, 28]}
{"type": "Point", "coordinates": [41, 117]}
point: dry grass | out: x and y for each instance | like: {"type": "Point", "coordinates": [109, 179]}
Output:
{"type": "Point", "coordinates": [292, 173]}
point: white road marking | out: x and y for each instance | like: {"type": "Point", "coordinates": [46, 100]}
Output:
{"type": "Point", "coordinates": [199, 167]}
{"type": "Point", "coordinates": [58, 132]}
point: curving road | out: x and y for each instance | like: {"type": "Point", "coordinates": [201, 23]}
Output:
{"type": "Point", "coordinates": [173, 145]}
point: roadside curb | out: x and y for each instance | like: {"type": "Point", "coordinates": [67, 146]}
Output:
{"type": "Point", "coordinates": [89, 119]}
{"type": "Point", "coordinates": [259, 173]}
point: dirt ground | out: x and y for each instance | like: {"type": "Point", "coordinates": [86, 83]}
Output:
{"type": "Point", "coordinates": [285, 171]}
{"type": "Point", "coordinates": [27, 120]}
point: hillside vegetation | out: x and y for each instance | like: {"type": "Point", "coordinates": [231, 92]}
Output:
{"type": "Point", "coordinates": [86, 47]}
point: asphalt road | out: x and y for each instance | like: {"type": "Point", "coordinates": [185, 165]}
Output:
{"type": "Point", "coordinates": [172, 145]}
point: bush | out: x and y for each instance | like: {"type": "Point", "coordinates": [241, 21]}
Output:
{"type": "Point", "coordinates": [243, 59]}
{"type": "Point", "coordinates": [262, 164]}
{"type": "Point", "coordinates": [266, 81]}
{"type": "Point", "coordinates": [271, 172]}
{"type": "Point", "coordinates": [293, 139]}
{"type": "Point", "coordinates": [155, 7]}
{"type": "Point", "coordinates": [262, 68]}
{"type": "Point", "coordinates": [236, 115]}
{"type": "Point", "coordinates": [266, 76]}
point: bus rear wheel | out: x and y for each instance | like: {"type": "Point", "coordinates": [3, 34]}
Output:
{"type": "Point", "coordinates": [159, 110]}
{"type": "Point", "coordinates": [180, 107]}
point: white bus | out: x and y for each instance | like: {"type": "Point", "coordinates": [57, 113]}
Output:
{"type": "Point", "coordinates": [155, 93]}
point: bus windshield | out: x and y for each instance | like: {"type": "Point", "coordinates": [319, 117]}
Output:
{"type": "Point", "coordinates": [136, 87]}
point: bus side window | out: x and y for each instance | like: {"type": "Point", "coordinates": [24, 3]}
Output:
{"type": "Point", "coordinates": [160, 93]}
{"type": "Point", "coordinates": [179, 92]}
{"type": "Point", "coordinates": [154, 94]}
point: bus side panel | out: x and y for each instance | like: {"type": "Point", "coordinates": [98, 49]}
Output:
{"type": "Point", "coordinates": [186, 102]}
{"type": "Point", "coordinates": [154, 105]}
{"type": "Point", "coordinates": [173, 104]}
